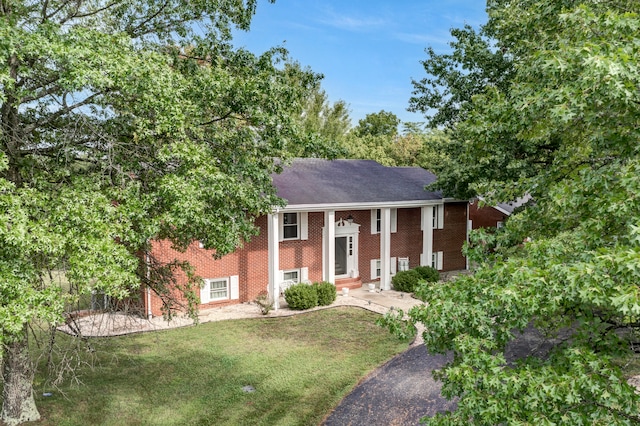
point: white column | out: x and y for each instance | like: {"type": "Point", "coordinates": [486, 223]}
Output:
{"type": "Point", "coordinates": [329, 249]}
{"type": "Point", "coordinates": [385, 249]}
{"type": "Point", "coordinates": [427, 236]}
{"type": "Point", "coordinates": [274, 259]}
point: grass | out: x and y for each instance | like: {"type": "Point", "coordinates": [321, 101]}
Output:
{"type": "Point", "coordinates": [300, 366]}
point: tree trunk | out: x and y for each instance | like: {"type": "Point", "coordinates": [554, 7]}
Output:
{"type": "Point", "coordinates": [18, 405]}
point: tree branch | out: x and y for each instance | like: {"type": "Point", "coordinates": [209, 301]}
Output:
{"type": "Point", "coordinates": [62, 111]}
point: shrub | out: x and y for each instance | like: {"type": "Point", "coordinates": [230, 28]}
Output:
{"type": "Point", "coordinates": [427, 273]}
{"type": "Point", "coordinates": [301, 296]}
{"type": "Point", "coordinates": [262, 300]}
{"type": "Point", "coordinates": [406, 280]}
{"type": "Point", "coordinates": [326, 293]}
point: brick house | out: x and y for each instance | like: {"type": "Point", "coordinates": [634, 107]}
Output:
{"type": "Point", "coordinates": [347, 222]}
{"type": "Point", "coordinates": [492, 216]}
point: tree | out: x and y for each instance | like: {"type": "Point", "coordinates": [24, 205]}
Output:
{"type": "Point", "coordinates": [420, 148]}
{"type": "Point", "coordinates": [381, 123]}
{"type": "Point", "coordinates": [329, 122]}
{"type": "Point", "coordinates": [121, 122]}
{"type": "Point", "coordinates": [416, 147]}
{"type": "Point", "coordinates": [565, 125]}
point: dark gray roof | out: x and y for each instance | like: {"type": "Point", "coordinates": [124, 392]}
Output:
{"type": "Point", "coordinates": [508, 208]}
{"type": "Point", "coordinates": [310, 181]}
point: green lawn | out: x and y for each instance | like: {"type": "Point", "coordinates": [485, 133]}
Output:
{"type": "Point", "coordinates": [300, 366]}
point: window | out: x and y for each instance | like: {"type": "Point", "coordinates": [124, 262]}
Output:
{"type": "Point", "coordinates": [292, 275]}
{"type": "Point", "coordinates": [290, 226]}
{"type": "Point", "coordinates": [436, 260]}
{"type": "Point", "coordinates": [376, 220]}
{"type": "Point", "coordinates": [499, 224]}
{"type": "Point", "coordinates": [403, 264]}
{"type": "Point", "coordinates": [438, 216]}
{"type": "Point", "coordinates": [214, 289]}
{"type": "Point", "coordinates": [375, 268]}
{"type": "Point", "coordinates": [218, 289]}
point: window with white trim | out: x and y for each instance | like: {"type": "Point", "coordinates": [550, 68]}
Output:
{"type": "Point", "coordinates": [214, 289]}
{"type": "Point", "coordinates": [290, 226]}
{"type": "Point", "coordinates": [291, 275]}
{"type": "Point", "coordinates": [437, 260]}
{"type": "Point", "coordinates": [375, 268]}
{"type": "Point", "coordinates": [376, 220]}
{"type": "Point", "coordinates": [438, 216]}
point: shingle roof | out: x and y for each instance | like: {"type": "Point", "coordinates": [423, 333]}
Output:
{"type": "Point", "coordinates": [311, 181]}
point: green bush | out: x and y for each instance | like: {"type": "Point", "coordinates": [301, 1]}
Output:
{"type": "Point", "coordinates": [427, 273]}
{"type": "Point", "coordinates": [326, 293]}
{"type": "Point", "coordinates": [301, 296]}
{"type": "Point", "coordinates": [406, 280]}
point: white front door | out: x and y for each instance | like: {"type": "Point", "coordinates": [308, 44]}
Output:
{"type": "Point", "coordinates": [346, 249]}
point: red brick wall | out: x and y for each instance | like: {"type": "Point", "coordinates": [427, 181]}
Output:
{"type": "Point", "coordinates": [407, 241]}
{"type": "Point", "coordinates": [485, 217]}
{"type": "Point", "coordinates": [450, 239]}
{"type": "Point", "coordinates": [295, 254]}
{"type": "Point", "coordinates": [250, 262]}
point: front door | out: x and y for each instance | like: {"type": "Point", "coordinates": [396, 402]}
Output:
{"type": "Point", "coordinates": [342, 256]}
{"type": "Point", "coordinates": [345, 253]}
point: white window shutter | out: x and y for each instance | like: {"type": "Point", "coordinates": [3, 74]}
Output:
{"type": "Point", "coordinates": [439, 260]}
{"type": "Point", "coordinates": [280, 227]}
{"type": "Point", "coordinates": [394, 220]}
{"type": "Point", "coordinates": [441, 216]}
{"type": "Point", "coordinates": [374, 221]}
{"type": "Point", "coordinates": [205, 292]}
{"type": "Point", "coordinates": [393, 266]}
{"type": "Point", "coordinates": [374, 269]}
{"type": "Point", "coordinates": [234, 287]}
{"type": "Point", "coordinates": [304, 274]}
{"type": "Point", "coordinates": [304, 225]}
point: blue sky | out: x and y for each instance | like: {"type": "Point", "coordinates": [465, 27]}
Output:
{"type": "Point", "coordinates": [367, 50]}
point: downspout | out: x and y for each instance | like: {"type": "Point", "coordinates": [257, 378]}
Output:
{"type": "Point", "coordinates": [148, 274]}
{"type": "Point", "coordinates": [466, 258]}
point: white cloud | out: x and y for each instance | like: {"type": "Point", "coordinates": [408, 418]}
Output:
{"type": "Point", "coordinates": [353, 23]}
{"type": "Point", "coordinates": [424, 39]}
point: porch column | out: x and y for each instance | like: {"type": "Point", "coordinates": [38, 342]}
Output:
{"type": "Point", "coordinates": [274, 258]}
{"type": "Point", "coordinates": [385, 249]}
{"type": "Point", "coordinates": [427, 236]}
{"type": "Point", "coordinates": [329, 249]}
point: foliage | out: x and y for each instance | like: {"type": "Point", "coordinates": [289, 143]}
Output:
{"type": "Point", "coordinates": [192, 375]}
{"type": "Point", "coordinates": [394, 321]}
{"type": "Point", "coordinates": [381, 123]}
{"type": "Point", "coordinates": [417, 147]}
{"type": "Point", "coordinates": [327, 123]}
{"type": "Point", "coordinates": [326, 293]}
{"type": "Point", "coordinates": [128, 121]}
{"type": "Point", "coordinates": [560, 124]}
{"type": "Point", "coordinates": [301, 296]}
{"type": "Point", "coordinates": [406, 281]}
{"type": "Point", "coordinates": [264, 302]}
{"type": "Point", "coordinates": [428, 273]}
